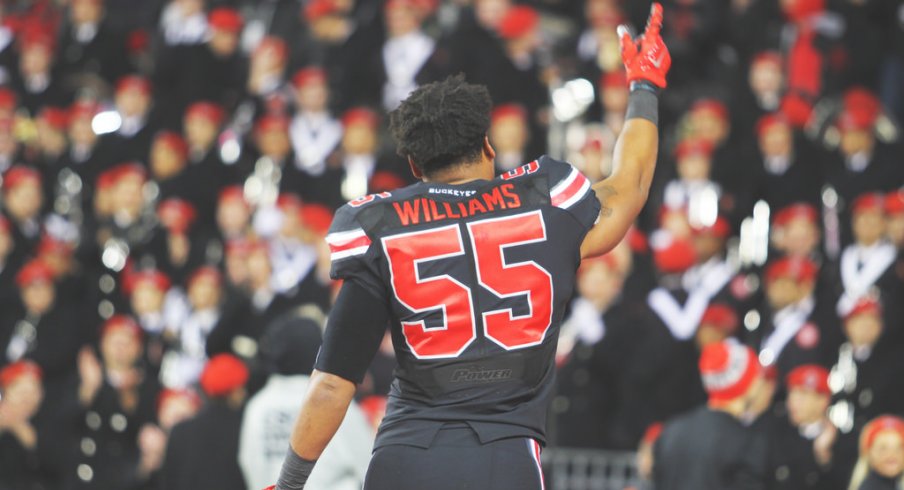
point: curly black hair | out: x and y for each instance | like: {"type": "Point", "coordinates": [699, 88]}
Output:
{"type": "Point", "coordinates": [442, 124]}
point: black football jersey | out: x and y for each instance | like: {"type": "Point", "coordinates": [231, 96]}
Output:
{"type": "Point", "coordinates": [478, 276]}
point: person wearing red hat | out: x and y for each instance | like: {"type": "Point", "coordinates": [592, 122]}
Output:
{"type": "Point", "coordinates": [129, 203]}
{"type": "Point", "coordinates": [881, 462]}
{"type": "Point", "coordinates": [795, 326]}
{"type": "Point", "coordinates": [795, 230]}
{"type": "Point", "coordinates": [178, 244]}
{"type": "Point", "coordinates": [266, 74]}
{"type": "Point", "coordinates": [598, 326]}
{"type": "Point", "coordinates": [202, 123]}
{"type": "Point", "coordinates": [708, 119]}
{"type": "Point", "coordinates": [35, 81]}
{"type": "Point", "coordinates": [711, 272]}
{"type": "Point", "coordinates": [184, 362]}
{"type": "Point", "coordinates": [869, 352]}
{"type": "Point", "coordinates": [718, 323]}
{"type": "Point", "coordinates": [804, 444]}
{"type": "Point", "coordinates": [157, 312]}
{"type": "Point", "coordinates": [693, 181]}
{"type": "Point", "coordinates": [213, 69]}
{"type": "Point", "coordinates": [510, 134]}
{"type": "Point", "coordinates": [233, 215]}
{"type": "Point", "coordinates": [23, 455]}
{"type": "Point", "coordinates": [95, 48]}
{"type": "Point", "coordinates": [168, 161]}
{"type": "Point", "coordinates": [202, 452]}
{"type": "Point", "coordinates": [597, 45]}
{"type": "Point", "coordinates": [117, 392]}
{"type": "Point", "coordinates": [784, 171]}
{"type": "Point", "coordinates": [407, 50]}
{"type": "Point", "coordinates": [81, 156]}
{"type": "Point", "coordinates": [710, 447]}
{"type": "Point", "coordinates": [41, 326]}
{"type": "Point", "coordinates": [271, 142]}
{"type": "Point", "coordinates": [131, 140]}
{"type": "Point", "coordinates": [314, 130]}
{"type": "Point", "coordinates": [766, 80]}
{"type": "Point", "coordinates": [50, 145]}
{"type": "Point", "coordinates": [359, 157]}
{"type": "Point", "coordinates": [23, 199]}
{"type": "Point", "coordinates": [862, 163]}
{"type": "Point", "coordinates": [441, 129]}
{"type": "Point", "coordinates": [867, 263]}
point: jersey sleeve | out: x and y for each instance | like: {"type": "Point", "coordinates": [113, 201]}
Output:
{"type": "Point", "coordinates": [353, 254]}
{"type": "Point", "coordinates": [571, 190]}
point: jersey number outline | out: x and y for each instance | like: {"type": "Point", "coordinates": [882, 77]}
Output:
{"type": "Point", "coordinates": [489, 238]}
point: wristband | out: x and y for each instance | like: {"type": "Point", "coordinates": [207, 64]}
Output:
{"type": "Point", "coordinates": [295, 472]}
{"type": "Point", "coordinates": [643, 102]}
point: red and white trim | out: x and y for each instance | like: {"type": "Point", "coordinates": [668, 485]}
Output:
{"type": "Point", "coordinates": [570, 190]}
{"type": "Point", "coordinates": [534, 448]}
{"type": "Point", "coordinates": [347, 243]}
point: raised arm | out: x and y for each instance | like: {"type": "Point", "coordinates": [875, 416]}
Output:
{"type": "Point", "coordinates": [623, 194]}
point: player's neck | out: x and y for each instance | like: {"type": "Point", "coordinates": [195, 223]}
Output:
{"type": "Point", "coordinates": [464, 173]}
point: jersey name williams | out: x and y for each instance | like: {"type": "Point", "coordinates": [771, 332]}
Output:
{"type": "Point", "coordinates": [426, 210]}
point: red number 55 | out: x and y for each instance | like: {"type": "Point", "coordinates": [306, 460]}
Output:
{"type": "Point", "coordinates": [410, 254]}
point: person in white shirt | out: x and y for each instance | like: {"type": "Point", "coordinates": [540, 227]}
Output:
{"type": "Point", "coordinates": [290, 347]}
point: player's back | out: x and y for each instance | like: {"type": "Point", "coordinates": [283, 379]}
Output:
{"type": "Point", "coordinates": [478, 276]}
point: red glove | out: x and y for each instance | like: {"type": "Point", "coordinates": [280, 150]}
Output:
{"type": "Point", "coordinates": [647, 58]}
{"type": "Point", "coordinates": [271, 487]}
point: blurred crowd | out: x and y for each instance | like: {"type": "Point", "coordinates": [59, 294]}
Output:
{"type": "Point", "coordinates": [170, 168]}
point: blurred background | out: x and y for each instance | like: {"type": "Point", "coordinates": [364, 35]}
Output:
{"type": "Point", "coordinates": [170, 168]}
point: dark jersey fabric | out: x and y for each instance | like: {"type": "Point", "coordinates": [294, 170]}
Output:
{"type": "Point", "coordinates": [526, 227]}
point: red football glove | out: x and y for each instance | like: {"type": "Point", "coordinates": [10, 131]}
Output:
{"type": "Point", "coordinates": [646, 58]}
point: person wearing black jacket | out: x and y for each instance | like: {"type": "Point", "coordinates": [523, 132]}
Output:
{"type": "Point", "coordinates": [710, 447]}
{"type": "Point", "coordinates": [801, 444]}
{"type": "Point", "coordinates": [202, 452]}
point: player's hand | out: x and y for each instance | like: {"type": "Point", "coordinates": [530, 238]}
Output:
{"type": "Point", "coordinates": [646, 58]}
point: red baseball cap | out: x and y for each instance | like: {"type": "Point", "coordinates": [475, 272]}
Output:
{"type": "Point", "coordinates": [518, 21]}
{"type": "Point", "coordinates": [20, 174]}
{"type": "Point", "coordinates": [877, 426]}
{"type": "Point", "coordinates": [797, 268]}
{"type": "Point", "coordinates": [871, 201]}
{"type": "Point", "coordinates": [223, 374]}
{"type": "Point", "coordinates": [122, 322]}
{"type": "Point", "coordinates": [206, 110]}
{"type": "Point", "coordinates": [176, 215]}
{"type": "Point", "coordinates": [12, 372]}
{"type": "Point", "coordinates": [225, 19]}
{"type": "Point", "coordinates": [865, 306]}
{"type": "Point", "coordinates": [720, 316]}
{"type": "Point", "coordinates": [810, 376]}
{"type": "Point", "coordinates": [153, 277]}
{"type": "Point", "coordinates": [34, 271]}
{"type": "Point", "coordinates": [360, 115]}
{"type": "Point", "coordinates": [796, 211]}
{"type": "Point", "coordinates": [308, 75]}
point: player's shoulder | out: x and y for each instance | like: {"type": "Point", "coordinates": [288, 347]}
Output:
{"type": "Point", "coordinates": [566, 183]}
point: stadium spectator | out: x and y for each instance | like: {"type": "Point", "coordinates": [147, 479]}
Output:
{"type": "Point", "coordinates": [203, 450]}
{"type": "Point", "coordinates": [289, 348]}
